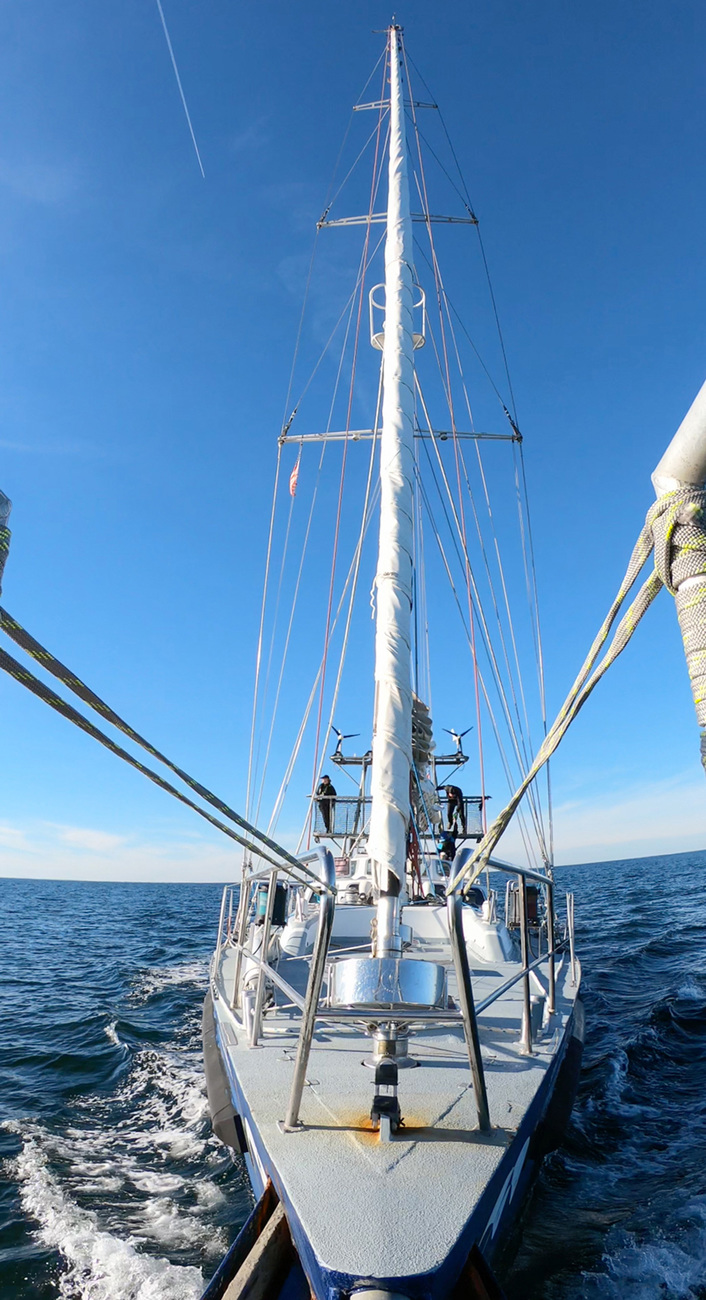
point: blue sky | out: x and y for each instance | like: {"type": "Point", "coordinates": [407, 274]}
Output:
{"type": "Point", "coordinates": [148, 318]}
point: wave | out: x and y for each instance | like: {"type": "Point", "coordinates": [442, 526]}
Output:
{"type": "Point", "coordinates": [99, 1264]}
{"type": "Point", "coordinates": [147, 1154]}
{"type": "Point", "coordinates": [656, 1269]}
{"type": "Point", "coordinates": [159, 979]}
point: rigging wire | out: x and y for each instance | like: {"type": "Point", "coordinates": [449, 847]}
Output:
{"type": "Point", "coordinates": [496, 670]}
{"type": "Point", "coordinates": [486, 267]}
{"type": "Point", "coordinates": [494, 666]}
{"type": "Point", "coordinates": [527, 542]}
{"type": "Point", "coordinates": [528, 554]}
{"type": "Point", "coordinates": [327, 204]}
{"type": "Point", "coordinates": [349, 173]}
{"type": "Point", "coordinates": [307, 712]}
{"type": "Point", "coordinates": [471, 618]}
{"type": "Point", "coordinates": [260, 635]}
{"type": "Point", "coordinates": [289, 625]}
{"type": "Point", "coordinates": [364, 261]}
{"type": "Point", "coordinates": [491, 713]}
{"type": "Point", "coordinates": [286, 424]}
{"type": "Point", "coordinates": [350, 306]}
{"type": "Point", "coordinates": [272, 637]}
{"type": "Point", "coordinates": [465, 563]}
{"type": "Point", "coordinates": [260, 705]}
{"type": "Point", "coordinates": [354, 585]}
{"type": "Point", "coordinates": [529, 748]}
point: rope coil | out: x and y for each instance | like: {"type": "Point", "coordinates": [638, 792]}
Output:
{"type": "Point", "coordinates": [680, 561]}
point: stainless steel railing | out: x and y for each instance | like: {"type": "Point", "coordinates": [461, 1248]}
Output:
{"type": "Point", "coordinates": [313, 991]}
{"type": "Point", "coordinates": [235, 935]}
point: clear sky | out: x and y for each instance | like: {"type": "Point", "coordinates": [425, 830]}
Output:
{"type": "Point", "coordinates": [147, 319]}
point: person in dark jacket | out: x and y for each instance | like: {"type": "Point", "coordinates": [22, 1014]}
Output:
{"type": "Point", "coordinates": [326, 799]}
{"type": "Point", "coordinates": [447, 847]}
{"type": "Point", "coordinates": [455, 809]}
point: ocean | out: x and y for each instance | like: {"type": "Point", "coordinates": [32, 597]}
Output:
{"type": "Point", "coordinates": [114, 1189]}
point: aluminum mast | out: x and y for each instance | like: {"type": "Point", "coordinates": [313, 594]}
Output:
{"type": "Point", "coordinates": [392, 724]}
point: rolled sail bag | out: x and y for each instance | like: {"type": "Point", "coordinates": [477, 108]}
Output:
{"type": "Point", "coordinates": [5, 534]}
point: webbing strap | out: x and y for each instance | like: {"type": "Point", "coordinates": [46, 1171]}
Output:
{"type": "Point", "coordinates": [79, 688]}
{"type": "Point", "coordinates": [5, 536]}
{"type": "Point", "coordinates": [670, 530]}
{"type": "Point", "coordinates": [26, 678]}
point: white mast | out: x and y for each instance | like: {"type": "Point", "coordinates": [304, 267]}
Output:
{"type": "Point", "coordinates": [392, 726]}
{"type": "Point", "coordinates": [684, 462]}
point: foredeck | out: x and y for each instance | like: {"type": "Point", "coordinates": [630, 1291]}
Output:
{"type": "Point", "coordinates": [371, 1208]}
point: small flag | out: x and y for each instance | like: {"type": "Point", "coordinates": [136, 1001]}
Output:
{"type": "Point", "coordinates": [294, 477]}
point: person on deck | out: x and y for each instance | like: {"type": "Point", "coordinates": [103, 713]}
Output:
{"type": "Point", "coordinates": [326, 799]}
{"type": "Point", "coordinates": [455, 809]}
{"type": "Point", "coordinates": [447, 847]}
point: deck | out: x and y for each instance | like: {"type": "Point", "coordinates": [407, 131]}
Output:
{"type": "Point", "coordinates": [397, 1209]}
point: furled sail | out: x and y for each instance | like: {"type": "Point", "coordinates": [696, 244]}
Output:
{"type": "Point", "coordinates": [392, 728]}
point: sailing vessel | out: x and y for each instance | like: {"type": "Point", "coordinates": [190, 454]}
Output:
{"type": "Point", "coordinates": [391, 1055]}
{"type": "Point", "coordinates": [393, 1026]}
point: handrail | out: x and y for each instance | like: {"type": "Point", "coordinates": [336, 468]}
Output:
{"type": "Point", "coordinates": [465, 994]}
{"type": "Point", "coordinates": [550, 945]}
{"type": "Point", "coordinates": [511, 869]}
{"type": "Point", "coordinates": [508, 984]}
{"type": "Point", "coordinates": [220, 923]}
{"type": "Point", "coordinates": [264, 946]}
{"type": "Point", "coordinates": [241, 922]}
{"type": "Point", "coordinates": [313, 881]}
{"type": "Point", "coordinates": [327, 909]}
{"type": "Point", "coordinates": [572, 936]}
{"type": "Point", "coordinates": [425, 1016]}
{"type": "Point", "coordinates": [469, 1012]}
{"type": "Point", "coordinates": [408, 1016]}
{"type": "Point", "coordinates": [274, 975]}
{"type": "Point", "coordinates": [526, 1033]}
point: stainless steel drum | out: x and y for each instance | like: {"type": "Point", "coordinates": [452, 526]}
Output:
{"type": "Point", "coordinates": [387, 981]}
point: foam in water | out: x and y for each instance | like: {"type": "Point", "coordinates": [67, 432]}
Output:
{"type": "Point", "coordinates": [116, 1182]}
{"type": "Point", "coordinates": [111, 1033]}
{"type": "Point", "coordinates": [158, 978]}
{"type": "Point", "coordinates": [658, 1269]}
{"type": "Point", "coordinates": [163, 1126]}
{"type": "Point", "coordinates": [100, 1266]}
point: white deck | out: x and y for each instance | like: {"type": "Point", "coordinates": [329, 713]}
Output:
{"type": "Point", "coordinates": [372, 1209]}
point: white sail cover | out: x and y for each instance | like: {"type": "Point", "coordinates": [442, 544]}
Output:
{"type": "Point", "coordinates": [392, 728]}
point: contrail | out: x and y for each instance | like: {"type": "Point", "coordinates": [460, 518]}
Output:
{"type": "Point", "coordinates": [181, 88]}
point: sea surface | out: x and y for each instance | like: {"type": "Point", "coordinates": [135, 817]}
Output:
{"type": "Point", "coordinates": [113, 1188]}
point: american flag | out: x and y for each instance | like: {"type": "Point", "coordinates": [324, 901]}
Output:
{"type": "Point", "coordinates": [294, 477]}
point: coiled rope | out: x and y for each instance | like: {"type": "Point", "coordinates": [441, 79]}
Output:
{"type": "Point", "coordinates": [675, 529]}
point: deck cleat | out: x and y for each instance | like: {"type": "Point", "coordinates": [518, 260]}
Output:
{"type": "Point", "coordinates": [385, 1112]}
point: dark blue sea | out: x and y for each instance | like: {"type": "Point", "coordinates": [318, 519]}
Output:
{"type": "Point", "coordinates": [113, 1188]}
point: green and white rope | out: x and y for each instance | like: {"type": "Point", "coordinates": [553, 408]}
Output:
{"type": "Point", "coordinates": [675, 528]}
